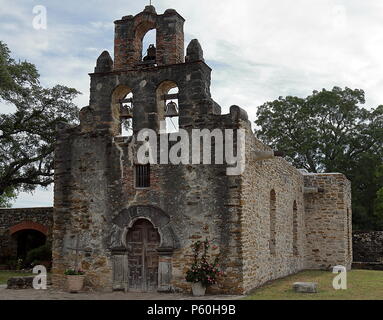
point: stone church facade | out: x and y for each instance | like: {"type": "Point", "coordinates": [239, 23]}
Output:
{"type": "Point", "coordinates": [133, 225]}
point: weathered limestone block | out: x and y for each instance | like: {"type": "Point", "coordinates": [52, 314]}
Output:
{"type": "Point", "coordinates": [305, 287]}
{"type": "Point", "coordinates": [20, 283]}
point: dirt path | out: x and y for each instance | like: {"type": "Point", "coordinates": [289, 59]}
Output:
{"type": "Point", "coordinates": [50, 294]}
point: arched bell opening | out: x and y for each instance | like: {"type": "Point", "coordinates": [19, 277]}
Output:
{"type": "Point", "coordinates": [149, 47]}
{"type": "Point", "coordinates": [168, 106]}
{"type": "Point", "coordinates": [145, 35]}
{"type": "Point", "coordinates": [122, 111]}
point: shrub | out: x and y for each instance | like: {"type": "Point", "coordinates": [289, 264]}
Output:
{"type": "Point", "coordinates": [201, 270]}
{"type": "Point", "coordinates": [72, 272]}
{"type": "Point", "coordinates": [38, 255]}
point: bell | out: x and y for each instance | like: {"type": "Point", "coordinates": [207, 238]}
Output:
{"type": "Point", "coordinates": [126, 112]}
{"type": "Point", "coordinates": [171, 110]}
{"type": "Point", "coordinates": [151, 53]}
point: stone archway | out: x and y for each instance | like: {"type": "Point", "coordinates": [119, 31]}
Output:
{"type": "Point", "coordinates": [28, 225]}
{"type": "Point", "coordinates": [26, 240]}
{"type": "Point", "coordinates": [120, 241]}
{"type": "Point", "coordinates": [160, 220]}
{"type": "Point", "coordinates": [28, 235]}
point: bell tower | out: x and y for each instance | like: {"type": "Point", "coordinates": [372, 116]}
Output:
{"type": "Point", "coordinates": [144, 92]}
{"type": "Point", "coordinates": [130, 31]}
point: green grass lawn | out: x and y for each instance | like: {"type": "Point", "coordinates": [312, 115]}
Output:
{"type": "Point", "coordinates": [5, 275]}
{"type": "Point", "coordinates": [361, 285]}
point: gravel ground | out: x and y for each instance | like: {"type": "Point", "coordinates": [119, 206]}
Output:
{"type": "Point", "coordinates": [50, 294]}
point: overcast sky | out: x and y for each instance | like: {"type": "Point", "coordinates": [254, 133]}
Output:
{"type": "Point", "coordinates": [259, 50]}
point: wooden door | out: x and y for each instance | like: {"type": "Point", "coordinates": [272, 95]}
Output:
{"type": "Point", "coordinates": [143, 241]}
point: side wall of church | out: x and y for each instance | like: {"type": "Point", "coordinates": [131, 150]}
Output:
{"type": "Point", "coordinates": [263, 261]}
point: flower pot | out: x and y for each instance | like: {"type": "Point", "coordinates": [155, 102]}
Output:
{"type": "Point", "coordinates": [198, 289]}
{"type": "Point", "coordinates": [75, 283]}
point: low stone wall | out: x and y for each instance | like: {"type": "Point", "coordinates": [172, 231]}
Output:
{"type": "Point", "coordinates": [368, 265]}
{"type": "Point", "coordinates": [20, 283]}
{"type": "Point", "coordinates": [368, 246]}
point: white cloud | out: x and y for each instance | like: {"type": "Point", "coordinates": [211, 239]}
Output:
{"type": "Point", "coordinates": [39, 198]}
{"type": "Point", "coordinates": [259, 50]}
{"type": "Point", "coordinates": [102, 25]}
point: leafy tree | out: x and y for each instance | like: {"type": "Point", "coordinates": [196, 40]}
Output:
{"type": "Point", "coordinates": [379, 200]}
{"type": "Point", "coordinates": [7, 198]}
{"type": "Point", "coordinates": [27, 135]}
{"type": "Point", "coordinates": [330, 131]}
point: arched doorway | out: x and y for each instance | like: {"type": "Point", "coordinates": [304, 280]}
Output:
{"type": "Point", "coordinates": [28, 235]}
{"type": "Point", "coordinates": [143, 241]}
{"type": "Point", "coordinates": [27, 240]}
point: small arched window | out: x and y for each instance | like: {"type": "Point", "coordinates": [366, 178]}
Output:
{"type": "Point", "coordinates": [273, 209]}
{"type": "Point", "coordinates": [295, 229]}
{"type": "Point", "coordinates": [349, 233]}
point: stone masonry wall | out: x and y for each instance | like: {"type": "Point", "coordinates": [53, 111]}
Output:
{"type": "Point", "coordinates": [83, 191]}
{"type": "Point", "coordinates": [198, 200]}
{"type": "Point", "coordinates": [259, 178]}
{"type": "Point", "coordinates": [368, 246]}
{"type": "Point", "coordinates": [13, 220]}
{"type": "Point", "coordinates": [312, 231]}
{"type": "Point", "coordinates": [328, 222]}
{"type": "Point", "coordinates": [95, 186]}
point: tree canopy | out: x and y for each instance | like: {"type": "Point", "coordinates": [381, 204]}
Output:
{"type": "Point", "coordinates": [329, 131]}
{"type": "Point", "coordinates": [27, 135]}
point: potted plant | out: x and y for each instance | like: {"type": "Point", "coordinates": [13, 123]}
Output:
{"type": "Point", "coordinates": [75, 280]}
{"type": "Point", "coordinates": [202, 273]}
